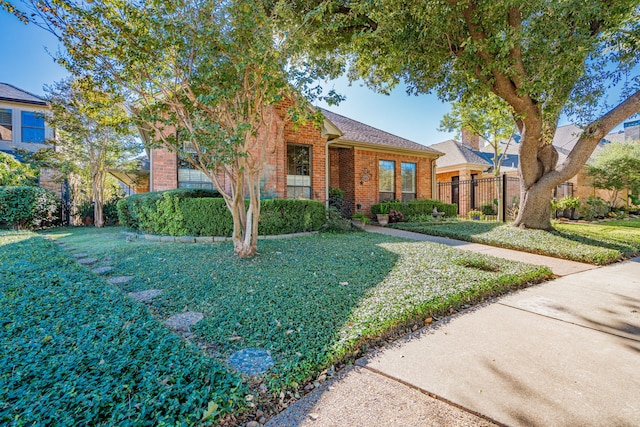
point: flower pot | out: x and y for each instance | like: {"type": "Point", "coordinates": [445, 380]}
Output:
{"type": "Point", "coordinates": [357, 222]}
{"type": "Point", "coordinates": [383, 219]}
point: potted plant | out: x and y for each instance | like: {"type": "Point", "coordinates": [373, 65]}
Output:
{"type": "Point", "coordinates": [475, 215]}
{"type": "Point", "coordinates": [360, 220]}
{"type": "Point", "coordinates": [383, 214]}
{"type": "Point", "coordinates": [569, 205]}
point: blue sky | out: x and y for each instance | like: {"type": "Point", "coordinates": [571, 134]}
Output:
{"type": "Point", "coordinates": [29, 66]}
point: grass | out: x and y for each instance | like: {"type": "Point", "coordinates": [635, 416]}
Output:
{"type": "Point", "coordinates": [598, 244]}
{"type": "Point", "coordinates": [76, 351]}
{"type": "Point", "coordinates": [312, 301]}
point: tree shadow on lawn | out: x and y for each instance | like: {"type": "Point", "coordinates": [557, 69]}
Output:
{"type": "Point", "coordinates": [627, 249]}
{"type": "Point", "coordinates": [310, 301]}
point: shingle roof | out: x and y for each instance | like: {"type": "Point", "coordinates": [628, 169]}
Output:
{"type": "Point", "coordinates": [457, 153]}
{"type": "Point", "coordinates": [11, 93]}
{"type": "Point", "coordinates": [354, 131]}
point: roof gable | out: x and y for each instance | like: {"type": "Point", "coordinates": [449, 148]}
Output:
{"type": "Point", "coordinates": [13, 94]}
{"type": "Point", "coordinates": [354, 131]}
{"type": "Point", "coordinates": [457, 153]}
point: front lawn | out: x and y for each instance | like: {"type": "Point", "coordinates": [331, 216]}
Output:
{"type": "Point", "coordinates": [598, 244]}
{"type": "Point", "coordinates": [76, 351]}
{"type": "Point", "coordinates": [312, 301]}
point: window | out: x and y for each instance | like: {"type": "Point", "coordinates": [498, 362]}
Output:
{"type": "Point", "coordinates": [387, 179]}
{"type": "Point", "coordinates": [32, 127]}
{"type": "Point", "coordinates": [6, 127]}
{"type": "Point", "coordinates": [298, 171]}
{"type": "Point", "coordinates": [190, 177]}
{"type": "Point", "coordinates": [408, 181]}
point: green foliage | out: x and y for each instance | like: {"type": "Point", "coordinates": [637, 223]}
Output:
{"type": "Point", "coordinates": [197, 213]}
{"type": "Point", "coordinates": [583, 244]}
{"type": "Point", "coordinates": [355, 288]}
{"type": "Point", "coordinates": [336, 223]}
{"type": "Point", "coordinates": [416, 207]}
{"type": "Point", "coordinates": [594, 207]}
{"type": "Point", "coordinates": [28, 207]}
{"type": "Point", "coordinates": [362, 217]}
{"type": "Point", "coordinates": [616, 167]}
{"type": "Point", "coordinates": [489, 209]}
{"type": "Point", "coordinates": [15, 173]}
{"type": "Point", "coordinates": [76, 351]}
{"type": "Point", "coordinates": [474, 214]}
{"type": "Point", "coordinates": [110, 210]}
{"type": "Point", "coordinates": [568, 202]}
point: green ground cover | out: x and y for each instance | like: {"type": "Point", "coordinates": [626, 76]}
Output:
{"type": "Point", "coordinates": [76, 351]}
{"type": "Point", "coordinates": [310, 301]}
{"type": "Point", "coordinates": [601, 243]}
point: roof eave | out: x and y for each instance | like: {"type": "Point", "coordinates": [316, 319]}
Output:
{"type": "Point", "coordinates": [385, 148]}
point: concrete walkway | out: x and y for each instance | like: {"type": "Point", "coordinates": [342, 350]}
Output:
{"type": "Point", "coordinates": [560, 267]}
{"type": "Point", "coordinates": [563, 353]}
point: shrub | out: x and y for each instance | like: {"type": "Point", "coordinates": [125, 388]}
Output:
{"type": "Point", "coordinates": [109, 211]}
{"type": "Point", "coordinates": [28, 207]}
{"type": "Point", "coordinates": [474, 214]}
{"type": "Point", "coordinates": [416, 207]}
{"type": "Point", "coordinates": [197, 213]}
{"type": "Point", "coordinates": [489, 208]}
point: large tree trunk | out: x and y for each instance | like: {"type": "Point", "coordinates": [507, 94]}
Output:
{"type": "Point", "coordinates": [98, 200]}
{"type": "Point", "coordinates": [535, 207]}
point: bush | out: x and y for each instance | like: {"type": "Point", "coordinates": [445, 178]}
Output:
{"type": "Point", "coordinates": [28, 207]}
{"type": "Point", "coordinates": [489, 208]}
{"type": "Point", "coordinates": [416, 208]}
{"type": "Point", "coordinates": [194, 213]}
{"type": "Point", "coordinates": [474, 214]}
{"type": "Point", "coordinates": [109, 211]}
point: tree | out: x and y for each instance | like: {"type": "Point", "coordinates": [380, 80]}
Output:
{"type": "Point", "coordinates": [14, 172]}
{"type": "Point", "coordinates": [543, 58]}
{"type": "Point", "coordinates": [209, 80]}
{"type": "Point", "coordinates": [491, 119]}
{"type": "Point", "coordinates": [616, 167]}
{"type": "Point", "coordinates": [94, 134]}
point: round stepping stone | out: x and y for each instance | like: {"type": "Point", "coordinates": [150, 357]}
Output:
{"type": "Point", "coordinates": [69, 249]}
{"type": "Point", "coordinates": [119, 280]}
{"type": "Point", "coordinates": [102, 270]}
{"type": "Point", "coordinates": [182, 322]}
{"type": "Point", "coordinates": [145, 296]}
{"type": "Point", "coordinates": [80, 255]}
{"type": "Point", "coordinates": [251, 361]}
{"type": "Point", "coordinates": [87, 261]}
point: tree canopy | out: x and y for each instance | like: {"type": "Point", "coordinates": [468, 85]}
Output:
{"type": "Point", "coordinates": [542, 57]}
{"type": "Point", "coordinates": [616, 167]}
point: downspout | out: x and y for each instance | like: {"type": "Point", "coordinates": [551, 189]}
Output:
{"type": "Point", "coordinates": [151, 170]}
{"type": "Point", "coordinates": [326, 175]}
{"type": "Point", "coordinates": [433, 179]}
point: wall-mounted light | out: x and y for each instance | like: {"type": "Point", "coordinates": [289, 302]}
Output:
{"type": "Point", "coordinates": [365, 176]}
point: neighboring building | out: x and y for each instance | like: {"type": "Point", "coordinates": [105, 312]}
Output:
{"type": "Point", "coordinates": [23, 127]}
{"type": "Point", "coordinates": [367, 164]}
{"type": "Point", "coordinates": [467, 163]}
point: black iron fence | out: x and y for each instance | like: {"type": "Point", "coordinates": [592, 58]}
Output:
{"type": "Point", "coordinates": [483, 195]}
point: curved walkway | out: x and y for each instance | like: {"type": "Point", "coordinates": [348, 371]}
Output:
{"type": "Point", "coordinates": [562, 353]}
{"type": "Point", "coordinates": [559, 267]}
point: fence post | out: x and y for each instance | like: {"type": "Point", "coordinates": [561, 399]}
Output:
{"type": "Point", "coordinates": [504, 197]}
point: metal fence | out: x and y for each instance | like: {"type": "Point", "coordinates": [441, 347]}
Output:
{"type": "Point", "coordinates": [483, 194]}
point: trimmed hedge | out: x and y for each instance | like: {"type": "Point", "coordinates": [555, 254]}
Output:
{"type": "Point", "coordinates": [76, 351]}
{"type": "Point", "coordinates": [28, 207]}
{"type": "Point", "coordinates": [189, 213]}
{"type": "Point", "coordinates": [417, 207]}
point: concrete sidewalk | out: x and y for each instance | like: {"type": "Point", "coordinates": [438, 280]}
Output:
{"type": "Point", "coordinates": [560, 267]}
{"type": "Point", "coordinates": [563, 353]}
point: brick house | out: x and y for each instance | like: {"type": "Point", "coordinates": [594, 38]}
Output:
{"type": "Point", "coordinates": [467, 165]}
{"type": "Point", "coordinates": [367, 164]}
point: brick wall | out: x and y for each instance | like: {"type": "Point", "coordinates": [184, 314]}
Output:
{"type": "Point", "coordinates": [366, 192]}
{"type": "Point", "coordinates": [164, 171]}
{"type": "Point", "coordinates": [50, 179]}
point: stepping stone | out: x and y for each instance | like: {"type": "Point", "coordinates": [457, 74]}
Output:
{"type": "Point", "coordinates": [145, 296]}
{"type": "Point", "coordinates": [102, 270]}
{"type": "Point", "coordinates": [69, 249]}
{"type": "Point", "coordinates": [80, 255]}
{"type": "Point", "coordinates": [87, 261]}
{"type": "Point", "coordinates": [182, 322]}
{"type": "Point", "coordinates": [251, 361]}
{"type": "Point", "coordinates": [119, 280]}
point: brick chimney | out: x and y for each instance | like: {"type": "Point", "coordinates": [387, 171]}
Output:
{"type": "Point", "coordinates": [470, 139]}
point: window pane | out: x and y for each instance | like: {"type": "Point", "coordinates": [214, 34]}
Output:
{"type": "Point", "coordinates": [298, 171]}
{"type": "Point", "coordinates": [32, 127]}
{"type": "Point", "coordinates": [408, 177]}
{"type": "Point", "coordinates": [6, 128]}
{"type": "Point", "coordinates": [386, 176]}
